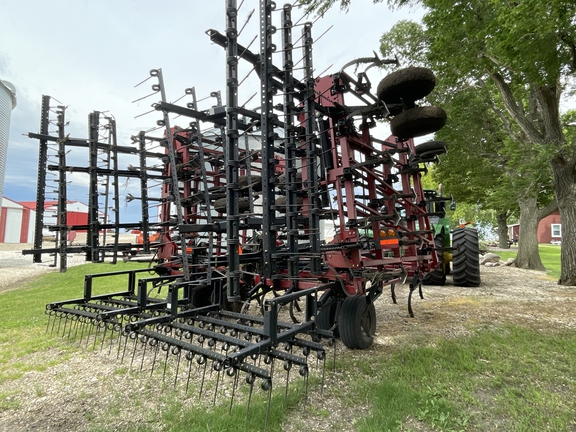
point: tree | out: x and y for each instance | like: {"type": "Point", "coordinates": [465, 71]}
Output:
{"type": "Point", "coordinates": [483, 168]}
{"type": "Point", "coordinates": [527, 49]}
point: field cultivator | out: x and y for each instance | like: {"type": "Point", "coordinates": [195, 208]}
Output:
{"type": "Point", "coordinates": [246, 272]}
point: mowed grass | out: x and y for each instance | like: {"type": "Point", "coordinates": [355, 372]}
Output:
{"type": "Point", "coordinates": [508, 378]}
{"type": "Point", "coordinates": [549, 254]}
{"type": "Point", "coordinates": [23, 319]}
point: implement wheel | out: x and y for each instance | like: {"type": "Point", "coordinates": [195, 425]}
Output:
{"type": "Point", "coordinates": [418, 121]}
{"type": "Point", "coordinates": [357, 322]}
{"type": "Point", "coordinates": [327, 317]}
{"type": "Point", "coordinates": [409, 85]}
{"type": "Point", "coordinates": [437, 276]}
{"type": "Point", "coordinates": [465, 258]}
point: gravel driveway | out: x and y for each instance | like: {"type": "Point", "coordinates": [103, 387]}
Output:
{"type": "Point", "coordinates": [16, 267]}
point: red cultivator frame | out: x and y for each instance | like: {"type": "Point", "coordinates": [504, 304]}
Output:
{"type": "Point", "coordinates": [242, 257]}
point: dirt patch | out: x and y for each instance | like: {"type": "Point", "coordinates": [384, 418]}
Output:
{"type": "Point", "coordinates": [92, 388]}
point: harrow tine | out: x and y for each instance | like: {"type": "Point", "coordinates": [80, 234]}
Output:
{"type": "Point", "coordinates": [145, 340]}
{"type": "Point", "coordinates": [76, 327]}
{"type": "Point", "coordinates": [64, 329]}
{"type": "Point", "coordinates": [250, 378]}
{"type": "Point", "coordinates": [90, 326]}
{"type": "Point", "coordinates": [82, 332]}
{"type": "Point", "coordinates": [134, 350]}
{"type": "Point", "coordinates": [124, 350]}
{"type": "Point", "coordinates": [233, 389]}
{"type": "Point", "coordinates": [165, 345]}
{"type": "Point", "coordinates": [95, 335]}
{"type": "Point", "coordinates": [202, 360]}
{"type": "Point", "coordinates": [154, 343]}
{"type": "Point", "coordinates": [53, 323]}
{"type": "Point", "coordinates": [103, 337]}
{"type": "Point", "coordinates": [287, 367]}
{"type": "Point", "coordinates": [216, 386]}
{"type": "Point", "coordinates": [119, 344]}
{"type": "Point", "coordinates": [189, 358]}
{"type": "Point", "coordinates": [111, 339]}
{"type": "Point", "coordinates": [177, 368]}
{"type": "Point", "coordinates": [72, 327]}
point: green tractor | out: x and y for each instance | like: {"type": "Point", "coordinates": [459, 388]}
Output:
{"type": "Point", "coordinates": [457, 254]}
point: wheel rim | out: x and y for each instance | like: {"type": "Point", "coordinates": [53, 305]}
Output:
{"type": "Point", "coordinates": [366, 324]}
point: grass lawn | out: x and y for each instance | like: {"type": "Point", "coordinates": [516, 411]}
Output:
{"type": "Point", "coordinates": [510, 378]}
{"type": "Point", "coordinates": [549, 254]}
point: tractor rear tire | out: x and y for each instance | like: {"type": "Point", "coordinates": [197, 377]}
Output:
{"type": "Point", "coordinates": [437, 276]}
{"type": "Point", "coordinates": [465, 258]}
{"type": "Point", "coordinates": [327, 317]}
{"type": "Point", "coordinates": [357, 322]}
{"type": "Point", "coordinates": [417, 122]}
{"type": "Point", "coordinates": [408, 85]}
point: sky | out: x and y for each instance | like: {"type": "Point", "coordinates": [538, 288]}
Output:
{"type": "Point", "coordinates": [89, 56]}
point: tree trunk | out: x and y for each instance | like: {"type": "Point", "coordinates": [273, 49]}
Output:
{"type": "Point", "coordinates": [564, 175]}
{"type": "Point", "coordinates": [528, 256]}
{"type": "Point", "coordinates": [502, 218]}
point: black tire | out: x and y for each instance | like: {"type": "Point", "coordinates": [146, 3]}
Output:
{"type": "Point", "coordinates": [256, 182]}
{"type": "Point", "coordinates": [431, 148]}
{"type": "Point", "coordinates": [282, 180]}
{"type": "Point", "coordinates": [281, 203]}
{"type": "Point", "coordinates": [203, 297]}
{"type": "Point", "coordinates": [437, 276]}
{"type": "Point", "coordinates": [243, 205]}
{"type": "Point", "coordinates": [327, 316]}
{"type": "Point", "coordinates": [465, 258]}
{"type": "Point", "coordinates": [409, 84]}
{"type": "Point", "coordinates": [418, 121]}
{"type": "Point", "coordinates": [357, 322]}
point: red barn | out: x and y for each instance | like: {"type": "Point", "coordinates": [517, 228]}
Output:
{"type": "Point", "coordinates": [549, 229]}
{"type": "Point", "coordinates": [16, 222]}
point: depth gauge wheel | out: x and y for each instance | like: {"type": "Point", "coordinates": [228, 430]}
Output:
{"type": "Point", "coordinates": [409, 85]}
{"type": "Point", "coordinates": [357, 322]}
{"type": "Point", "coordinates": [465, 258]}
{"type": "Point", "coordinates": [418, 121]}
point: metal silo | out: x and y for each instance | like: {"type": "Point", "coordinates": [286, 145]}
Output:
{"type": "Point", "coordinates": [7, 104]}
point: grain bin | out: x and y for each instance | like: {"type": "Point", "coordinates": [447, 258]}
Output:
{"type": "Point", "coordinates": [7, 104]}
